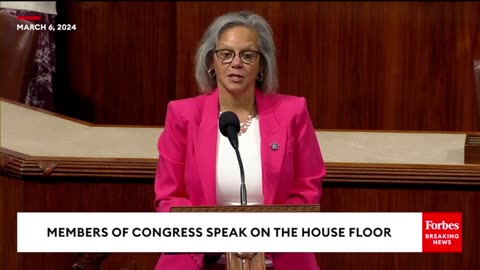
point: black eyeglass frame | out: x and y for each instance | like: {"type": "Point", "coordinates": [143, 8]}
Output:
{"type": "Point", "coordinates": [235, 54]}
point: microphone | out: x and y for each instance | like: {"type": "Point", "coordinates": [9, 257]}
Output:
{"type": "Point", "coordinates": [229, 126]}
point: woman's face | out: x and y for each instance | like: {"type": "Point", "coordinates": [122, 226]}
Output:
{"type": "Point", "coordinates": [237, 76]}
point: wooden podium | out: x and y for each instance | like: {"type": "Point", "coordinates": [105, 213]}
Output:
{"type": "Point", "coordinates": [248, 260]}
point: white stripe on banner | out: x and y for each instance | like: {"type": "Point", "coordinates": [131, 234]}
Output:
{"type": "Point", "coordinates": [219, 232]}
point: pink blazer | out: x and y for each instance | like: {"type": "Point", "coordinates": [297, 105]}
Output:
{"type": "Point", "coordinates": [292, 174]}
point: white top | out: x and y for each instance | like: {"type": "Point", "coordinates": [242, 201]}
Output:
{"type": "Point", "coordinates": [228, 170]}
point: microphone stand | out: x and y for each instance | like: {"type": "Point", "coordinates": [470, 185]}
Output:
{"type": "Point", "coordinates": [243, 188]}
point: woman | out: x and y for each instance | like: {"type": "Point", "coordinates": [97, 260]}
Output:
{"type": "Point", "coordinates": [236, 71]}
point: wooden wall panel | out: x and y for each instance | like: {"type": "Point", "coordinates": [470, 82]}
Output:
{"type": "Point", "coordinates": [361, 65]}
{"type": "Point", "coordinates": [120, 62]}
{"type": "Point", "coordinates": [11, 200]}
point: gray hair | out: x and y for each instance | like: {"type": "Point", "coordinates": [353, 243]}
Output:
{"type": "Point", "coordinates": [204, 56]}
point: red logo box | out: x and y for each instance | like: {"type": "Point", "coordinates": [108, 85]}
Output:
{"type": "Point", "coordinates": [442, 232]}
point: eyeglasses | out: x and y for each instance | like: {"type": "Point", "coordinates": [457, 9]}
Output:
{"type": "Point", "coordinates": [226, 56]}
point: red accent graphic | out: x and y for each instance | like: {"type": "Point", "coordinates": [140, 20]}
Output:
{"type": "Point", "coordinates": [30, 18]}
{"type": "Point", "coordinates": [442, 232]}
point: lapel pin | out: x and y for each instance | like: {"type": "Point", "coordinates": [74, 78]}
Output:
{"type": "Point", "coordinates": [275, 146]}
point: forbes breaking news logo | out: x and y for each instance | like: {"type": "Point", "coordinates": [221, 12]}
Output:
{"type": "Point", "coordinates": [442, 232]}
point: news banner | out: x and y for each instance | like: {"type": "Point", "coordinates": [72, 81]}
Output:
{"type": "Point", "coordinates": [240, 232]}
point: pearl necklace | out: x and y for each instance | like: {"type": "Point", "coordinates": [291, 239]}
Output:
{"type": "Point", "coordinates": [244, 126]}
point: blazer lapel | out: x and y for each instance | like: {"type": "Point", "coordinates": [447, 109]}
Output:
{"type": "Point", "coordinates": [273, 134]}
{"type": "Point", "coordinates": [205, 145]}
